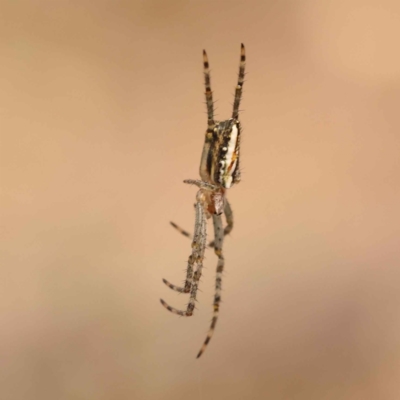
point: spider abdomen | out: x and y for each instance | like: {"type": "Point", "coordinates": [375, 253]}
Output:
{"type": "Point", "coordinates": [228, 156]}
{"type": "Point", "coordinates": [220, 158]}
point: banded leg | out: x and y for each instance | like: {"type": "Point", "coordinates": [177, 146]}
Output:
{"type": "Point", "coordinates": [219, 238]}
{"type": "Point", "coordinates": [228, 228]}
{"type": "Point", "coordinates": [188, 280]}
{"type": "Point", "coordinates": [181, 230]}
{"type": "Point", "coordinates": [196, 257]}
{"type": "Point", "coordinates": [208, 93]}
{"type": "Point", "coordinates": [229, 220]}
{"type": "Point", "coordinates": [197, 274]}
{"type": "Point", "coordinates": [192, 258]}
{"type": "Point", "coordinates": [201, 184]}
{"type": "Point", "coordinates": [239, 87]}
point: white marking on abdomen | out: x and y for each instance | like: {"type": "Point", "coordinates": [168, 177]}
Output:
{"type": "Point", "coordinates": [225, 174]}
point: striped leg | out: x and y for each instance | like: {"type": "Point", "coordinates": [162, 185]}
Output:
{"type": "Point", "coordinates": [196, 258]}
{"type": "Point", "coordinates": [181, 230]}
{"type": "Point", "coordinates": [229, 220]}
{"type": "Point", "coordinates": [201, 184]}
{"type": "Point", "coordinates": [219, 201]}
{"type": "Point", "coordinates": [199, 262]}
{"type": "Point", "coordinates": [208, 93]}
{"type": "Point", "coordinates": [219, 238]}
{"type": "Point", "coordinates": [188, 280]}
{"type": "Point", "coordinates": [239, 87]}
{"type": "Point", "coordinates": [228, 229]}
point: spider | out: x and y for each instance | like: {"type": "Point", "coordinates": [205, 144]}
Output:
{"type": "Point", "coordinates": [219, 170]}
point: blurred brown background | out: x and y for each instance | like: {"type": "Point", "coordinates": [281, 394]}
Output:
{"type": "Point", "coordinates": [102, 117]}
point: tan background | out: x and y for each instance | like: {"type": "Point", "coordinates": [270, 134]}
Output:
{"type": "Point", "coordinates": [102, 117]}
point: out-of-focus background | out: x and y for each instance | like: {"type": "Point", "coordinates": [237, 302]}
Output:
{"type": "Point", "coordinates": [102, 117]}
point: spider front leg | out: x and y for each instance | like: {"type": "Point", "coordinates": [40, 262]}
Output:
{"type": "Point", "coordinates": [239, 86]}
{"type": "Point", "coordinates": [208, 93]}
{"type": "Point", "coordinates": [195, 258]}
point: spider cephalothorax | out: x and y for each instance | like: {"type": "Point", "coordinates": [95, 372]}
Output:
{"type": "Point", "coordinates": [219, 170]}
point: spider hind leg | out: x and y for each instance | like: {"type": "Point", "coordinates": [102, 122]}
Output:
{"type": "Point", "coordinates": [219, 238]}
{"type": "Point", "coordinates": [195, 259]}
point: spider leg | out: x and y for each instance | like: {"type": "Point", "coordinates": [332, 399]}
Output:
{"type": "Point", "coordinates": [192, 258]}
{"type": "Point", "coordinates": [219, 238]}
{"type": "Point", "coordinates": [196, 257]}
{"type": "Point", "coordinates": [228, 228]}
{"type": "Point", "coordinates": [201, 184]}
{"type": "Point", "coordinates": [181, 230]}
{"type": "Point", "coordinates": [239, 87]}
{"type": "Point", "coordinates": [199, 262]}
{"type": "Point", "coordinates": [188, 280]}
{"type": "Point", "coordinates": [189, 235]}
{"type": "Point", "coordinates": [208, 93]}
{"type": "Point", "coordinates": [229, 220]}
